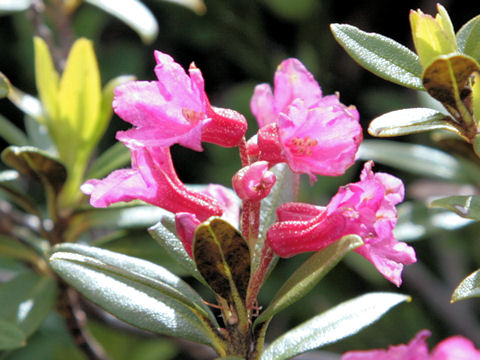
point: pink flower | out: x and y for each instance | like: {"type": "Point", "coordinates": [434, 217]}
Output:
{"type": "Point", "coordinates": [175, 109]}
{"type": "Point", "coordinates": [152, 179]}
{"type": "Point", "coordinates": [453, 348]}
{"type": "Point", "coordinates": [313, 134]}
{"type": "Point", "coordinates": [253, 182]}
{"type": "Point", "coordinates": [365, 208]}
{"type": "Point", "coordinates": [186, 223]}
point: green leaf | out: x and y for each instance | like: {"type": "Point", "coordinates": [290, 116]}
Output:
{"type": "Point", "coordinates": [11, 337]}
{"type": "Point", "coordinates": [115, 157]}
{"type": "Point", "coordinates": [47, 79]}
{"type": "Point", "coordinates": [136, 291]}
{"type": "Point", "coordinates": [412, 121]}
{"type": "Point", "coordinates": [4, 86]}
{"type": "Point", "coordinates": [121, 217]}
{"type": "Point", "coordinates": [381, 55]}
{"type": "Point", "coordinates": [419, 159]}
{"type": "Point", "coordinates": [198, 6]}
{"type": "Point", "coordinates": [446, 78]}
{"type": "Point", "coordinates": [465, 206]}
{"type": "Point", "coordinates": [468, 38]}
{"type": "Point", "coordinates": [308, 275]}
{"type": "Point", "coordinates": [29, 104]}
{"type": "Point", "coordinates": [27, 299]}
{"type": "Point", "coordinates": [223, 258]}
{"type": "Point", "coordinates": [416, 221]}
{"type": "Point", "coordinates": [134, 14]}
{"type": "Point", "coordinates": [468, 287]}
{"type": "Point", "coordinates": [15, 249]}
{"type": "Point", "coordinates": [37, 164]}
{"type": "Point", "coordinates": [12, 134]}
{"type": "Point", "coordinates": [343, 320]}
{"type": "Point", "coordinates": [165, 233]}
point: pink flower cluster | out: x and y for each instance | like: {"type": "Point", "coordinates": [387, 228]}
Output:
{"type": "Point", "coordinates": [312, 133]}
{"type": "Point", "coordinates": [453, 348]}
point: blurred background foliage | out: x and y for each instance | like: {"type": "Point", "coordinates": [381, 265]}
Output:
{"type": "Point", "coordinates": [238, 44]}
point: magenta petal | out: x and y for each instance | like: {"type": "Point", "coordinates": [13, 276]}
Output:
{"type": "Point", "coordinates": [254, 182]}
{"type": "Point", "coordinates": [225, 127]}
{"type": "Point", "coordinates": [121, 185]}
{"type": "Point", "coordinates": [262, 105]}
{"type": "Point", "coordinates": [417, 349]}
{"type": "Point", "coordinates": [298, 211]}
{"type": "Point", "coordinates": [455, 348]}
{"type": "Point", "coordinates": [269, 145]}
{"type": "Point", "coordinates": [228, 200]}
{"type": "Point", "coordinates": [186, 224]}
{"type": "Point", "coordinates": [294, 81]}
{"type": "Point", "coordinates": [319, 140]}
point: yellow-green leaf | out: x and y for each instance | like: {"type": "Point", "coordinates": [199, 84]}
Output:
{"type": "Point", "coordinates": [4, 86]}
{"type": "Point", "coordinates": [46, 78]}
{"type": "Point", "coordinates": [80, 95]}
{"type": "Point", "coordinates": [432, 36]}
{"type": "Point", "coordinates": [476, 97]}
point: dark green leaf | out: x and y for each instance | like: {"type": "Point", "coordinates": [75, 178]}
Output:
{"type": "Point", "coordinates": [416, 221]}
{"type": "Point", "coordinates": [412, 121]}
{"type": "Point", "coordinates": [164, 232]}
{"type": "Point", "coordinates": [4, 85]}
{"type": "Point", "coordinates": [37, 164]}
{"type": "Point", "coordinates": [223, 258]}
{"type": "Point", "coordinates": [38, 135]}
{"type": "Point", "coordinates": [16, 250]}
{"type": "Point", "coordinates": [308, 275]}
{"type": "Point", "coordinates": [11, 337]}
{"type": "Point", "coordinates": [343, 320]}
{"type": "Point", "coordinates": [26, 300]}
{"type": "Point", "coordinates": [465, 206]}
{"type": "Point", "coordinates": [468, 38]}
{"type": "Point", "coordinates": [419, 159]}
{"type": "Point", "coordinates": [115, 157]}
{"type": "Point", "coordinates": [136, 291]}
{"type": "Point", "coordinates": [381, 55]}
{"type": "Point", "coordinates": [447, 77]}
{"type": "Point", "coordinates": [468, 287]}
{"type": "Point", "coordinates": [134, 14]}
{"type": "Point", "coordinates": [12, 134]}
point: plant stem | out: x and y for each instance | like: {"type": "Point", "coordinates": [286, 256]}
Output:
{"type": "Point", "coordinates": [76, 320]}
{"type": "Point", "coordinates": [257, 278]}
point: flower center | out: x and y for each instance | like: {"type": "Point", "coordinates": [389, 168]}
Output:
{"type": "Point", "coordinates": [192, 116]}
{"type": "Point", "coordinates": [302, 146]}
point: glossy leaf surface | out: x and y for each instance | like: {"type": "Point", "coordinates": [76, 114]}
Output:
{"type": "Point", "coordinates": [37, 164]}
{"type": "Point", "coordinates": [447, 77]}
{"type": "Point", "coordinates": [308, 275]}
{"type": "Point", "coordinates": [165, 234]}
{"type": "Point", "coordinates": [418, 159]}
{"type": "Point", "coordinates": [412, 121]}
{"type": "Point", "coordinates": [468, 38]}
{"type": "Point", "coordinates": [4, 86]}
{"type": "Point", "coordinates": [335, 324]}
{"type": "Point", "coordinates": [134, 14]}
{"type": "Point", "coordinates": [223, 258]}
{"type": "Point", "coordinates": [26, 300]}
{"type": "Point", "coordinates": [465, 206]}
{"type": "Point", "coordinates": [381, 55]}
{"type": "Point", "coordinates": [136, 291]}
{"type": "Point", "coordinates": [12, 134]}
{"type": "Point", "coordinates": [468, 287]}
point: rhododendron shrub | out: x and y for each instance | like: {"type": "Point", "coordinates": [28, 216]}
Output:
{"type": "Point", "coordinates": [223, 231]}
